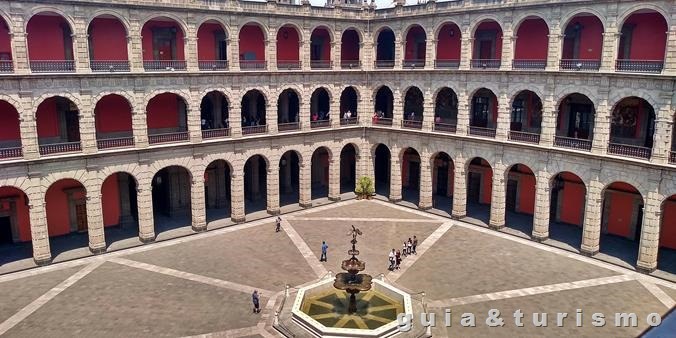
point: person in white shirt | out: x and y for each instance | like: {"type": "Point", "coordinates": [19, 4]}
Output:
{"type": "Point", "coordinates": [392, 258]}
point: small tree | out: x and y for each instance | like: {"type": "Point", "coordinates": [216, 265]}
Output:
{"type": "Point", "coordinates": [364, 188]}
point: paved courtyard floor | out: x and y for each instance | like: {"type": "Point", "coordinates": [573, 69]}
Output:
{"type": "Point", "coordinates": [202, 284]}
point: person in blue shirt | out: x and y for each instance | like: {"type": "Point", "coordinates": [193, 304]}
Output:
{"type": "Point", "coordinates": [324, 248]}
{"type": "Point", "coordinates": [255, 297]}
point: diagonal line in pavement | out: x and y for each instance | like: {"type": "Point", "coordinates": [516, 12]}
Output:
{"type": "Point", "coordinates": [421, 249]}
{"type": "Point", "coordinates": [304, 249]}
{"type": "Point", "coordinates": [662, 296]}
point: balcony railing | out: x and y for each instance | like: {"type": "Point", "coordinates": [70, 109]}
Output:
{"type": "Point", "coordinates": [320, 124]}
{"type": "Point", "coordinates": [351, 121]}
{"type": "Point", "coordinates": [164, 65]}
{"type": "Point", "coordinates": [572, 143]}
{"type": "Point", "coordinates": [288, 126]}
{"type": "Point", "coordinates": [481, 131]}
{"type": "Point", "coordinates": [521, 136]}
{"type": "Point", "coordinates": [629, 150]}
{"type": "Point", "coordinates": [412, 124]}
{"type": "Point", "coordinates": [109, 66]}
{"type": "Point", "coordinates": [212, 65]}
{"type": "Point", "coordinates": [446, 64]}
{"type": "Point", "coordinates": [672, 157]}
{"type": "Point", "coordinates": [50, 66]}
{"type": "Point", "coordinates": [413, 64]}
{"type": "Point", "coordinates": [350, 64]}
{"type": "Point", "coordinates": [214, 133]}
{"type": "Point", "coordinates": [178, 136]}
{"type": "Point", "coordinates": [577, 64]}
{"type": "Point", "coordinates": [639, 66]}
{"type": "Point", "coordinates": [254, 130]}
{"type": "Point", "coordinates": [118, 142]}
{"type": "Point", "coordinates": [320, 64]}
{"type": "Point", "coordinates": [253, 64]}
{"type": "Point", "coordinates": [485, 63]}
{"type": "Point", "coordinates": [13, 152]}
{"type": "Point", "coordinates": [55, 148]}
{"type": "Point", "coordinates": [445, 127]}
{"type": "Point", "coordinates": [6, 66]}
{"type": "Point", "coordinates": [288, 64]}
{"type": "Point", "coordinates": [529, 64]}
{"type": "Point", "coordinates": [383, 64]}
{"type": "Point", "coordinates": [382, 121]}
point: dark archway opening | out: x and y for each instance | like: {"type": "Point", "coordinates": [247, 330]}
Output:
{"type": "Point", "coordinates": [348, 169]}
{"type": "Point", "coordinates": [410, 176]}
{"type": "Point", "coordinates": [381, 168]}
{"type": "Point", "coordinates": [119, 204]}
{"type": "Point", "coordinates": [566, 211]}
{"type": "Point", "coordinates": [172, 199]}
{"type": "Point", "coordinates": [479, 189]}
{"type": "Point", "coordinates": [217, 197]}
{"type": "Point", "coordinates": [520, 199]}
{"type": "Point", "coordinates": [255, 184]}
{"type": "Point", "coordinates": [385, 49]}
{"type": "Point", "coordinates": [289, 178]}
{"type": "Point", "coordinates": [443, 172]}
{"type": "Point", "coordinates": [320, 173]}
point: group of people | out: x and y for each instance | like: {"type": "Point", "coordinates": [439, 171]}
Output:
{"type": "Point", "coordinates": [251, 121]}
{"type": "Point", "coordinates": [207, 123]}
{"type": "Point", "coordinates": [321, 116]}
{"type": "Point", "coordinates": [408, 248]}
{"type": "Point", "coordinates": [347, 115]}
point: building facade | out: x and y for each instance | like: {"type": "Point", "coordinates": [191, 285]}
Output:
{"type": "Point", "coordinates": [126, 115]}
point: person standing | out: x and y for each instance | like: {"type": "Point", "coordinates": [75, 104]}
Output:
{"type": "Point", "coordinates": [255, 297]}
{"type": "Point", "coordinates": [392, 258]}
{"type": "Point", "coordinates": [278, 224]}
{"type": "Point", "coordinates": [397, 258]}
{"type": "Point", "coordinates": [415, 244]}
{"type": "Point", "coordinates": [403, 249]}
{"type": "Point", "coordinates": [325, 247]}
{"type": "Point", "coordinates": [409, 246]}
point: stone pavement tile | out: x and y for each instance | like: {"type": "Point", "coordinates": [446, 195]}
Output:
{"type": "Point", "coordinates": [466, 262]}
{"type": "Point", "coordinates": [606, 299]}
{"type": "Point", "coordinates": [255, 256]}
{"type": "Point", "coordinates": [16, 294]}
{"type": "Point", "coordinates": [669, 291]}
{"type": "Point", "coordinates": [121, 301]}
{"type": "Point", "coordinates": [378, 240]}
{"type": "Point", "coordinates": [364, 209]}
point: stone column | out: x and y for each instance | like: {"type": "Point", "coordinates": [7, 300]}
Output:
{"type": "Point", "coordinates": [466, 50]}
{"type": "Point", "coordinates": [395, 176]}
{"type": "Point", "coordinates": [233, 52]}
{"type": "Point", "coordinates": [504, 114]}
{"type": "Point", "coordinates": [334, 109]}
{"type": "Point", "coordinates": [463, 112]}
{"type": "Point", "coordinates": [194, 121]}
{"type": "Point", "coordinates": [334, 178]}
{"type": "Point", "coordinates": [399, 45]}
{"type": "Point", "coordinates": [19, 44]}
{"type": "Point", "coordinates": [198, 204]}
{"type": "Point", "coordinates": [87, 124]}
{"type": "Point", "coordinates": [428, 110]}
{"type": "Point", "coordinates": [425, 181]}
{"type": "Point", "coordinates": [364, 167]}
{"type": "Point", "coordinates": [430, 53]}
{"type": "Point", "coordinates": [670, 58]}
{"type": "Point", "coordinates": [459, 188]}
{"type": "Point", "coordinates": [146, 220]}
{"type": "Point", "coordinates": [601, 128]}
{"type": "Point", "coordinates": [542, 204]}
{"type": "Point", "coordinates": [271, 116]}
{"type": "Point", "coordinates": [498, 203]}
{"type": "Point", "coordinates": [271, 49]}
{"type": "Point", "coordinates": [95, 230]}
{"type": "Point", "coordinates": [305, 55]}
{"type": "Point", "coordinates": [397, 109]}
{"type": "Point", "coordinates": [335, 53]}
{"type": "Point", "coordinates": [305, 184]}
{"type": "Point", "coordinates": [237, 212]}
{"type": "Point", "coordinates": [508, 41]}
{"type": "Point", "coordinates": [591, 233]}
{"type": "Point", "coordinates": [28, 128]}
{"type": "Point", "coordinates": [81, 46]}
{"type": "Point", "coordinates": [366, 55]}
{"type": "Point", "coordinates": [39, 234]}
{"type": "Point", "coordinates": [304, 112]}
{"type": "Point", "coordinates": [191, 58]}
{"type": "Point", "coordinates": [650, 233]}
{"type": "Point", "coordinates": [139, 123]}
{"type": "Point", "coordinates": [235, 117]}
{"type": "Point", "coordinates": [136, 51]}
{"type": "Point", "coordinates": [366, 107]}
{"type": "Point", "coordinates": [273, 190]}
{"type": "Point", "coordinates": [553, 49]}
{"type": "Point", "coordinates": [549, 116]}
{"type": "Point", "coordinates": [611, 39]}
{"type": "Point", "coordinates": [664, 124]}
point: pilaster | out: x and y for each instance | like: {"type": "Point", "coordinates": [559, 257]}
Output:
{"type": "Point", "coordinates": [542, 205]}
{"type": "Point", "coordinates": [271, 49]}
{"type": "Point", "coordinates": [335, 53]}
{"type": "Point", "coordinates": [650, 233]}
{"type": "Point", "coordinates": [508, 41]}
{"type": "Point", "coordinates": [146, 221]}
{"type": "Point", "coordinates": [334, 178]}
{"type": "Point", "coordinates": [198, 204]}
{"type": "Point", "coordinates": [466, 50]}
{"type": "Point", "coordinates": [591, 232]}
{"type": "Point", "coordinates": [498, 202]}
{"type": "Point", "coordinates": [271, 117]}
{"type": "Point", "coordinates": [87, 123]}
{"type": "Point", "coordinates": [670, 58]}
{"type": "Point", "coordinates": [430, 53]}
{"type": "Point", "coordinates": [191, 58]}
{"type": "Point", "coordinates": [611, 39]}
{"type": "Point", "coordinates": [235, 117]}
{"type": "Point", "coordinates": [305, 54]}
{"type": "Point", "coordinates": [548, 126]}
{"type": "Point", "coordinates": [38, 221]}
{"type": "Point", "coordinates": [366, 55]}
{"type": "Point", "coordinates": [81, 43]}
{"type": "Point", "coordinates": [601, 128]}
{"type": "Point", "coordinates": [95, 230]}
{"type": "Point", "coordinates": [463, 112]}
{"type": "Point", "coordinates": [662, 141]}
{"type": "Point", "coordinates": [504, 114]}
{"type": "Point", "coordinates": [139, 124]}
{"type": "Point", "coordinates": [237, 213]}
{"type": "Point", "coordinates": [553, 49]}
{"type": "Point", "coordinates": [425, 181]}
{"type": "Point", "coordinates": [19, 44]}
{"type": "Point", "coordinates": [273, 190]}
{"type": "Point", "coordinates": [135, 40]}
{"type": "Point", "coordinates": [305, 178]}
{"type": "Point", "coordinates": [395, 176]}
{"type": "Point", "coordinates": [397, 108]}
{"type": "Point", "coordinates": [28, 128]}
{"type": "Point", "coordinates": [428, 110]}
{"type": "Point", "coordinates": [459, 188]}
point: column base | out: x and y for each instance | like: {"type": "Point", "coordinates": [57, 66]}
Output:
{"type": "Point", "coordinates": [589, 253]}
{"type": "Point", "coordinates": [457, 217]}
{"type": "Point", "coordinates": [149, 238]}
{"type": "Point", "coordinates": [539, 238]}
{"type": "Point", "coordinates": [274, 212]}
{"type": "Point", "coordinates": [496, 226]}
{"type": "Point", "coordinates": [238, 219]}
{"type": "Point", "coordinates": [424, 207]}
{"type": "Point", "coordinates": [42, 261]}
{"type": "Point", "coordinates": [395, 199]}
{"type": "Point", "coordinates": [305, 204]}
{"type": "Point", "coordinates": [334, 199]}
{"type": "Point", "coordinates": [199, 228]}
{"type": "Point", "coordinates": [644, 269]}
{"type": "Point", "coordinates": [97, 251]}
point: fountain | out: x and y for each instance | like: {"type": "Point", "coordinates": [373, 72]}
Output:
{"type": "Point", "coordinates": [352, 304]}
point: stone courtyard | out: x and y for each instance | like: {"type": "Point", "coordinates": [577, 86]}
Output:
{"type": "Point", "coordinates": [202, 284]}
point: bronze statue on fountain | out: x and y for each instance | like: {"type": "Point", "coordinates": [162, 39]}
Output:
{"type": "Point", "coordinates": [352, 281]}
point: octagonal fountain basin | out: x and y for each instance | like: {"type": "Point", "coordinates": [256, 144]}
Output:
{"type": "Point", "coordinates": [322, 310]}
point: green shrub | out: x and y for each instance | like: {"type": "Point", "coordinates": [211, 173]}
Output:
{"type": "Point", "coordinates": [364, 187]}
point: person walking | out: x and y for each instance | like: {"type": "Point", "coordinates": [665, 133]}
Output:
{"type": "Point", "coordinates": [325, 247]}
{"type": "Point", "coordinates": [409, 246]}
{"type": "Point", "coordinates": [397, 258]}
{"type": "Point", "coordinates": [255, 297]}
{"type": "Point", "coordinates": [415, 244]}
{"type": "Point", "coordinates": [392, 258]}
{"type": "Point", "coordinates": [278, 224]}
{"type": "Point", "coordinates": [403, 249]}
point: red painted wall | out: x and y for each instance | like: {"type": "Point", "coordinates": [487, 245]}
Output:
{"type": "Point", "coordinates": [23, 218]}
{"type": "Point", "coordinates": [591, 39]}
{"type": "Point", "coordinates": [532, 40]}
{"type": "Point", "coordinates": [326, 43]}
{"type": "Point", "coordinates": [147, 35]}
{"type": "Point", "coordinates": [206, 41]}
{"type": "Point", "coordinates": [415, 33]}
{"type": "Point", "coordinates": [109, 39]}
{"type": "Point", "coordinates": [619, 218]}
{"type": "Point", "coordinates": [58, 215]}
{"type": "Point", "coordinates": [668, 227]}
{"type": "Point", "coordinates": [5, 39]}
{"type": "Point", "coordinates": [9, 122]}
{"type": "Point", "coordinates": [45, 38]}
{"type": "Point", "coordinates": [572, 203]}
{"type": "Point", "coordinates": [526, 194]}
{"type": "Point", "coordinates": [162, 111]}
{"type": "Point", "coordinates": [649, 37]}
{"type": "Point", "coordinates": [448, 47]}
{"type": "Point", "coordinates": [288, 49]}
{"type": "Point", "coordinates": [47, 119]}
{"type": "Point", "coordinates": [110, 199]}
{"type": "Point", "coordinates": [251, 40]}
{"type": "Point", "coordinates": [349, 47]}
{"type": "Point", "coordinates": [113, 114]}
{"type": "Point", "coordinates": [491, 25]}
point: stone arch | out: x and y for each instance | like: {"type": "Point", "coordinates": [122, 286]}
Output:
{"type": "Point", "coordinates": [404, 33]}
{"type": "Point", "coordinates": [516, 23]}
{"type": "Point", "coordinates": [117, 15]}
{"type": "Point", "coordinates": [638, 186]}
{"type": "Point", "coordinates": [450, 86]}
{"type": "Point", "coordinates": [13, 101]}
{"type": "Point", "coordinates": [264, 93]}
{"type": "Point", "coordinates": [437, 27]}
{"type": "Point", "coordinates": [204, 19]}
{"type": "Point", "coordinates": [185, 96]}
{"type": "Point", "coordinates": [180, 22]}
{"type": "Point", "coordinates": [250, 155]}
{"type": "Point", "coordinates": [327, 28]}
{"type": "Point", "coordinates": [524, 87]}
{"type": "Point", "coordinates": [643, 6]}
{"type": "Point", "coordinates": [360, 34]}
{"type": "Point", "coordinates": [296, 27]}
{"type": "Point", "coordinates": [380, 29]}
{"type": "Point", "coordinates": [42, 98]}
{"type": "Point", "coordinates": [565, 20]}
{"type": "Point", "coordinates": [474, 24]}
{"type": "Point", "coordinates": [123, 93]}
{"type": "Point", "coordinates": [5, 17]}
{"type": "Point", "coordinates": [418, 86]}
{"type": "Point", "coordinates": [356, 90]}
{"type": "Point", "coordinates": [328, 89]}
{"type": "Point", "coordinates": [80, 177]}
{"type": "Point", "coordinates": [495, 90]}
{"type": "Point", "coordinates": [44, 9]}
{"type": "Point", "coordinates": [225, 92]}
{"type": "Point", "coordinates": [561, 94]}
{"type": "Point", "coordinates": [623, 93]}
{"type": "Point", "coordinates": [253, 21]}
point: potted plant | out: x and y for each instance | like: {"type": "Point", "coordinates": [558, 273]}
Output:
{"type": "Point", "coordinates": [364, 188]}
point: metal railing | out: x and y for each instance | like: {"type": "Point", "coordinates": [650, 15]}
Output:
{"type": "Point", "coordinates": [578, 64]}
{"type": "Point", "coordinates": [164, 65]}
{"type": "Point", "coordinates": [572, 143]}
{"type": "Point", "coordinates": [254, 130]}
{"type": "Point", "coordinates": [288, 126]}
{"type": "Point", "coordinates": [639, 66]}
{"type": "Point", "coordinates": [109, 65]}
{"type": "Point", "coordinates": [12, 152]}
{"type": "Point", "coordinates": [50, 66]}
{"type": "Point", "coordinates": [178, 136]}
{"type": "Point", "coordinates": [55, 148]}
{"type": "Point", "coordinates": [383, 64]}
{"type": "Point", "coordinates": [214, 133]}
{"type": "Point", "coordinates": [445, 127]}
{"type": "Point", "coordinates": [320, 64]}
{"type": "Point", "coordinates": [485, 63]}
{"type": "Point", "coordinates": [213, 65]}
{"type": "Point", "coordinates": [350, 64]}
{"type": "Point", "coordinates": [413, 64]}
{"type": "Point", "coordinates": [382, 121]}
{"type": "Point", "coordinates": [521, 136]}
{"type": "Point", "coordinates": [288, 64]}
{"type": "Point", "coordinates": [320, 124]}
{"type": "Point", "coordinates": [446, 64]}
{"type": "Point", "coordinates": [412, 124]}
{"type": "Point", "coordinates": [118, 142]}
{"type": "Point", "coordinates": [253, 64]}
{"type": "Point", "coordinates": [6, 66]}
{"type": "Point", "coordinates": [529, 64]}
{"type": "Point", "coordinates": [629, 150]}
{"type": "Point", "coordinates": [672, 157]}
{"type": "Point", "coordinates": [481, 131]}
{"type": "Point", "coordinates": [351, 121]}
